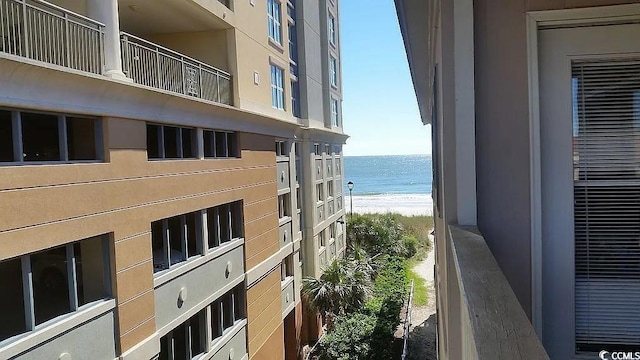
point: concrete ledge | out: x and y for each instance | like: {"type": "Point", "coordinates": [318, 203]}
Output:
{"type": "Point", "coordinates": [493, 324]}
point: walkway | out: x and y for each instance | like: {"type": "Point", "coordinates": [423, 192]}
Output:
{"type": "Point", "coordinates": [422, 337]}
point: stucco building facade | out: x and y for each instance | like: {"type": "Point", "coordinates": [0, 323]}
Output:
{"type": "Point", "coordinates": [169, 170]}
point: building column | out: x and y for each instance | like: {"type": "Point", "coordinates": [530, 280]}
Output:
{"type": "Point", "coordinates": [106, 12]}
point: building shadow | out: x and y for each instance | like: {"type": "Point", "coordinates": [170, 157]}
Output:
{"type": "Point", "coordinates": [422, 340]}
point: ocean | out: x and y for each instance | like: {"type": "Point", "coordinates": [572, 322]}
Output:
{"type": "Point", "coordinates": [397, 183]}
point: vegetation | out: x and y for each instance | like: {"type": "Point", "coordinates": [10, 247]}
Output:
{"type": "Point", "coordinates": [361, 296]}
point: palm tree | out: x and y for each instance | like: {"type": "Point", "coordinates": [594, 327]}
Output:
{"type": "Point", "coordinates": [341, 288]}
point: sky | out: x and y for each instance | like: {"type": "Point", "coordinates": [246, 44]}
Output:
{"type": "Point", "coordinates": [379, 109]}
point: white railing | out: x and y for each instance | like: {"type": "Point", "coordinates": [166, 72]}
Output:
{"type": "Point", "coordinates": [45, 32]}
{"type": "Point", "coordinates": [156, 66]}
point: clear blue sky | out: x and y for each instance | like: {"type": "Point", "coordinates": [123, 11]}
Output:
{"type": "Point", "coordinates": [380, 111]}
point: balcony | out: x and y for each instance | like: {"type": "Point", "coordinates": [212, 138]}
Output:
{"type": "Point", "coordinates": [44, 32]}
{"type": "Point", "coordinates": [155, 66]}
{"type": "Point", "coordinates": [481, 316]}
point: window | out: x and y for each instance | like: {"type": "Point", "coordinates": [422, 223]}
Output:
{"type": "Point", "coordinates": [171, 142]}
{"type": "Point", "coordinates": [327, 149]}
{"type": "Point", "coordinates": [295, 98]}
{"type": "Point", "coordinates": [224, 223]}
{"type": "Point", "coordinates": [330, 188]}
{"type": "Point", "coordinates": [338, 166]}
{"type": "Point", "coordinates": [332, 29]}
{"type": "Point", "coordinates": [284, 209]}
{"type": "Point", "coordinates": [606, 189]}
{"type": "Point", "coordinates": [293, 43]}
{"type": "Point", "coordinates": [273, 13]}
{"type": "Point", "coordinates": [187, 340]}
{"type": "Point", "coordinates": [277, 87]}
{"type": "Point", "coordinates": [52, 283]}
{"type": "Point", "coordinates": [227, 311]}
{"type": "Point", "coordinates": [38, 137]}
{"type": "Point", "coordinates": [335, 121]}
{"type": "Point", "coordinates": [220, 144]}
{"type": "Point", "coordinates": [282, 148]}
{"type": "Point", "coordinates": [321, 239]}
{"type": "Point", "coordinates": [298, 199]}
{"type": "Point", "coordinates": [319, 192]}
{"type": "Point", "coordinates": [333, 70]}
{"type": "Point", "coordinates": [286, 268]}
{"type": "Point", "coordinates": [316, 150]}
{"type": "Point", "coordinates": [174, 240]}
{"type": "Point", "coordinates": [332, 231]}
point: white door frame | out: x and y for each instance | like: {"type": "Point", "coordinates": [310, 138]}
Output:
{"type": "Point", "coordinates": [535, 21]}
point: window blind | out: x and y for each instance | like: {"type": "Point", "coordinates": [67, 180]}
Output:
{"type": "Point", "coordinates": [606, 143]}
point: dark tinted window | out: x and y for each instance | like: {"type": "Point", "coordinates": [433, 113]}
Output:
{"type": "Point", "coordinates": [40, 137]}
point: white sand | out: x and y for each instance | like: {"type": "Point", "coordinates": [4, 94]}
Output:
{"type": "Point", "coordinates": [412, 204]}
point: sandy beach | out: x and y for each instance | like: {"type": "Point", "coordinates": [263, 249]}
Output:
{"type": "Point", "coordinates": [411, 204]}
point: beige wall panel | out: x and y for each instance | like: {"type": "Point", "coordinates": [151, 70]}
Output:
{"type": "Point", "coordinates": [135, 312]}
{"type": "Point", "coordinates": [262, 255]}
{"type": "Point", "coordinates": [261, 208]}
{"type": "Point", "coordinates": [272, 349]}
{"type": "Point", "coordinates": [265, 315]}
{"type": "Point", "coordinates": [259, 193]}
{"type": "Point", "coordinates": [254, 246]}
{"type": "Point", "coordinates": [209, 47]}
{"type": "Point", "coordinates": [27, 207]}
{"type": "Point", "coordinates": [134, 281]}
{"type": "Point", "coordinates": [138, 334]}
{"type": "Point", "coordinates": [132, 251]}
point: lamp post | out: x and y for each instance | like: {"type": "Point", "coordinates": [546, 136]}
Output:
{"type": "Point", "coordinates": [350, 185]}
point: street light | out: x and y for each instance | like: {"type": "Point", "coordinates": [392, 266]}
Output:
{"type": "Point", "coordinates": [350, 185]}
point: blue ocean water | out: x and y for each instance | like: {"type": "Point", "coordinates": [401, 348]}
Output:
{"type": "Point", "coordinates": [388, 175]}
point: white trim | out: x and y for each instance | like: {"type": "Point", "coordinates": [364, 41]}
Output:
{"type": "Point", "coordinates": [146, 349]}
{"type": "Point", "coordinates": [536, 20]}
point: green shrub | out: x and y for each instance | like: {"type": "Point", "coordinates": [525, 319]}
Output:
{"type": "Point", "coordinates": [410, 245]}
{"type": "Point", "coordinates": [350, 338]}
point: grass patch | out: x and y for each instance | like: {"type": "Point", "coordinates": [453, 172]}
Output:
{"type": "Point", "coordinates": [419, 288]}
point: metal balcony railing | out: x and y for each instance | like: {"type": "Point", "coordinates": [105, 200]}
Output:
{"type": "Point", "coordinates": [156, 66]}
{"type": "Point", "coordinates": [42, 31]}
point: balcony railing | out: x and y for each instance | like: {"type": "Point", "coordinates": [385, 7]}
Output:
{"type": "Point", "coordinates": [156, 66]}
{"type": "Point", "coordinates": [481, 314]}
{"type": "Point", "coordinates": [41, 31]}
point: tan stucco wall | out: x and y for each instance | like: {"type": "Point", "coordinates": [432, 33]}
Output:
{"type": "Point", "coordinates": [207, 46]}
{"type": "Point", "coordinates": [264, 316]}
{"type": "Point", "coordinates": [49, 205]}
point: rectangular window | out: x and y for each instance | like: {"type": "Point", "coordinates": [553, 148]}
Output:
{"type": "Point", "coordinates": [54, 282]}
{"type": "Point", "coordinates": [330, 188]}
{"type": "Point", "coordinates": [277, 87]}
{"type": "Point", "coordinates": [282, 148]}
{"type": "Point", "coordinates": [321, 239]}
{"type": "Point", "coordinates": [38, 137]}
{"type": "Point", "coordinates": [274, 23]}
{"type": "Point", "coordinates": [335, 120]}
{"type": "Point", "coordinates": [320, 192]}
{"type": "Point", "coordinates": [293, 43]}
{"type": "Point", "coordinates": [216, 320]}
{"type": "Point", "coordinates": [316, 150]}
{"type": "Point", "coordinates": [286, 268]}
{"type": "Point", "coordinates": [227, 311]}
{"type": "Point", "coordinates": [298, 199]}
{"type": "Point", "coordinates": [224, 223]}
{"type": "Point", "coordinates": [171, 142]}
{"type": "Point", "coordinates": [6, 137]}
{"type": "Point", "coordinates": [295, 98]}
{"type": "Point", "coordinates": [332, 29]}
{"type": "Point", "coordinates": [284, 206]}
{"type": "Point", "coordinates": [333, 70]}
{"type": "Point", "coordinates": [186, 341]}
{"type": "Point", "coordinates": [81, 138]}
{"type": "Point", "coordinates": [220, 144]}
{"type": "Point", "coordinates": [174, 240]}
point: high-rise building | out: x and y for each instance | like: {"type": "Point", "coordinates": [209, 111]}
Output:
{"type": "Point", "coordinates": [169, 170]}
